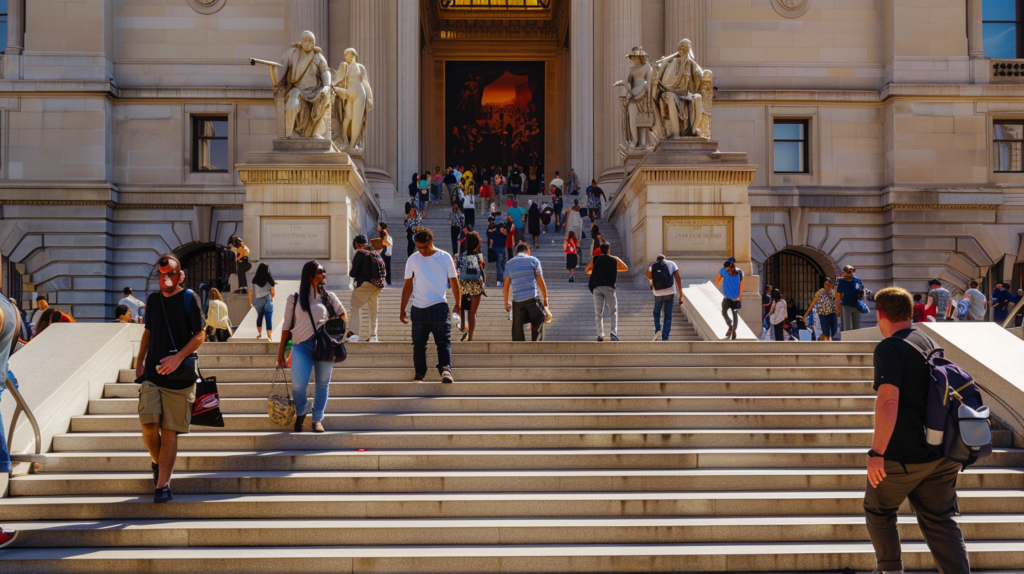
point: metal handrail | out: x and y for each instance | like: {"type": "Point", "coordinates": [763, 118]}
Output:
{"type": "Point", "coordinates": [22, 406]}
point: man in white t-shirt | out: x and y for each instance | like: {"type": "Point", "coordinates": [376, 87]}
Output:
{"type": "Point", "coordinates": [976, 302]}
{"type": "Point", "coordinates": [557, 182]}
{"type": "Point", "coordinates": [665, 283]}
{"type": "Point", "coordinates": [134, 305]}
{"type": "Point", "coordinates": [428, 274]}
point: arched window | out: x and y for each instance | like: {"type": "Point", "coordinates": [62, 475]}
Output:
{"type": "Point", "coordinates": [796, 275]}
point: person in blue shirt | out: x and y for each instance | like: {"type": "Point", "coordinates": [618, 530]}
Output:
{"type": "Point", "coordinates": [1002, 302]}
{"type": "Point", "coordinates": [849, 289]}
{"type": "Point", "coordinates": [730, 278]}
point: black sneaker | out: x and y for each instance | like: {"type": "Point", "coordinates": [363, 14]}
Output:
{"type": "Point", "coordinates": [446, 375]}
{"type": "Point", "coordinates": [156, 472]}
{"type": "Point", "coordinates": [418, 379]}
{"type": "Point", "coordinates": [163, 494]}
{"type": "Point", "coordinates": [600, 338]}
{"type": "Point", "coordinates": [614, 337]}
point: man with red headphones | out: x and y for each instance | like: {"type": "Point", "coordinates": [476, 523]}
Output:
{"type": "Point", "coordinates": [167, 374]}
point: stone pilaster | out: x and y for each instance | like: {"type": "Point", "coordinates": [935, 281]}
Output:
{"type": "Point", "coordinates": [975, 43]}
{"type": "Point", "coordinates": [369, 38]}
{"type": "Point", "coordinates": [409, 94]}
{"type": "Point", "coordinates": [581, 52]}
{"type": "Point", "coordinates": [308, 15]}
{"type": "Point", "coordinates": [622, 32]}
{"type": "Point", "coordinates": [15, 39]}
{"type": "Point", "coordinates": [686, 19]}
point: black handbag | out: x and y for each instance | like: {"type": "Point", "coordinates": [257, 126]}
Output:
{"type": "Point", "coordinates": [329, 339]}
{"type": "Point", "coordinates": [188, 370]}
{"type": "Point", "coordinates": [206, 409]}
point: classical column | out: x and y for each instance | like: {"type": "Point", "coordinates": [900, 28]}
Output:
{"type": "Point", "coordinates": [15, 39]}
{"type": "Point", "coordinates": [975, 39]}
{"type": "Point", "coordinates": [409, 82]}
{"type": "Point", "coordinates": [686, 19]}
{"type": "Point", "coordinates": [369, 38]}
{"type": "Point", "coordinates": [581, 52]}
{"type": "Point", "coordinates": [621, 34]}
{"type": "Point", "coordinates": [308, 15]}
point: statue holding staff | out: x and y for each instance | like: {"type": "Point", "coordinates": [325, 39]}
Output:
{"type": "Point", "coordinates": [304, 87]}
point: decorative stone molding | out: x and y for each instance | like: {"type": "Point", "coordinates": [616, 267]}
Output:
{"type": "Point", "coordinates": [207, 7]}
{"type": "Point", "coordinates": [294, 176]}
{"type": "Point", "coordinates": [686, 177]}
{"type": "Point", "coordinates": [791, 8]}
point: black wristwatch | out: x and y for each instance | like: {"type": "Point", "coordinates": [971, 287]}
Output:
{"type": "Point", "coordinates": [873, 454]}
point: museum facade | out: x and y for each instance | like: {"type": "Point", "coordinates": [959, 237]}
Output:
{"type": "Point", "coordinates": [887, 134]}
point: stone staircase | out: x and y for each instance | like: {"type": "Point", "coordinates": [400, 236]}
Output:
{"type": "Point", "coordinates": [542, 457]}
{"type": "Point", "coordinates": [571, 303]}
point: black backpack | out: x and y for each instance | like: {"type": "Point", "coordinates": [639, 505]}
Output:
{"type": "Point", "coordinates": [378, 271]}
{"type": "Point", "coordinates": [660, 277]}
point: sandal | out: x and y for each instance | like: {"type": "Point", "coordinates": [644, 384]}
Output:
{"type": "Point", "coordinates": [318, 427]}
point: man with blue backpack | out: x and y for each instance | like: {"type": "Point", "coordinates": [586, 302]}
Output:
{"type": "Point", "coordinates": [901, 462]}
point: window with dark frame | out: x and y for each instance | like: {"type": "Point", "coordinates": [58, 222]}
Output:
{"type": "Point", "coordinates": [210, 144]}
{"type": "Point", "coordinates": [3, 25]}
{"type": "Point", "coordinates": [1000, 28]}
{"type": "Point", "coordinates": [1008, 146]}
{"type": "Point", "coordinates": [790, 145]}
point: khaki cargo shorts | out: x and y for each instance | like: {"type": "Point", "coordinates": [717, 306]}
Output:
{"type": "Point", "coordinates": [170, 408]}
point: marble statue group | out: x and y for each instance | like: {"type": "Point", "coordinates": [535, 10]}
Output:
{"type": "Point", "coordinates": [670, 98]}
{"type": "Point", "coordinates": [315, 102]}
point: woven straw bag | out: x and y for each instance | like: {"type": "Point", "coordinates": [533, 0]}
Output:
{"type": "Point", "coordinates": [281, 409]}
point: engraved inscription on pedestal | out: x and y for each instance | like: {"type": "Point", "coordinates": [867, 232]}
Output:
{"type": "Point", "coordinates": [698, 237]}
{"type": "Point", "coordinates": [295, 237]}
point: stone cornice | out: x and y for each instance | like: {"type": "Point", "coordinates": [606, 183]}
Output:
{"type": "Point", "coordinates": [282, 175]}
{"type": "Point", "coordinates": [715, 174]}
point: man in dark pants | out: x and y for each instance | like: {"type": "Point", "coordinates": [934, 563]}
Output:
{"type": "Point", "coordinates": [900, 463]}
{"type": "Point", "coordinates": [428, 274]}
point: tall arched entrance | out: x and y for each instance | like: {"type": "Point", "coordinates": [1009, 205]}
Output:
{"type": "Point", "coordinates": [205, 265]}
{"type": "Point", "coordinates": [795, 274]}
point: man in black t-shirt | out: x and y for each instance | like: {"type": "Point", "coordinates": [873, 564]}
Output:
{"type": "Point", "coordinates": [900, 463]}
{"type": "Point", "coordinates": [172, 334]}
{"type": "Point", "coordinates": [604, 270]}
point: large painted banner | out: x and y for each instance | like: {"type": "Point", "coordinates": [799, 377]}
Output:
{"type": "Point", "coordinates": [494, 114]}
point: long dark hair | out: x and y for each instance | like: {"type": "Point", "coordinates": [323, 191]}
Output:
{"type": "Point", "coordinates": [308, 272]}
{"type": "Point", "coordinates": [776, 295]}
{"type": "Point", "coordinates": [263, 276]}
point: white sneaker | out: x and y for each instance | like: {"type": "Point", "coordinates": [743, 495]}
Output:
{"type": "Point", "coordinates": [352, 339]}
{"type": "Point", "coordinates": [372, 340]}
{"type": "Point", "coordinates": [657, 336]}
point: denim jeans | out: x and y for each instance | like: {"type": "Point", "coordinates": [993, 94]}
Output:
{"type": "Point", "coordinates": [5, 456]}
{"type": "Point", "coordinates": [499, 265]}
{"type": "Point", "coordinates": [421, 202]}
{"type": "Point", "coordinates": [663, 303]}
{"type": "Point", "coordinates": [426, 321]}
{"type": "Point", "coordinates": [303, 366]}
{"type": "Point", "coordinates": [264, 308]}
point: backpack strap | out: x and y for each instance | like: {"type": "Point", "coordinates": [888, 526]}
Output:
{"type": "Point", "coordinates": [927, 356]}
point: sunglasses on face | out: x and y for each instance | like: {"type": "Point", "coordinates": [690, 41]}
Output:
{"type": "Point", "coordinates": [321, 271]}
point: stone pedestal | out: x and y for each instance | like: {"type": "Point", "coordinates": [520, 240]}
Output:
{"type": "Point", "coordinates": [303, 205]}
{"type": "Point", "coordinates": [687, 200]}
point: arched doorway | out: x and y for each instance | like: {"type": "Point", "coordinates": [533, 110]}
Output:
{"type": "Point", "coordinates": [205, 264]}
{"type": "Point", "coordinates": [795, 274]}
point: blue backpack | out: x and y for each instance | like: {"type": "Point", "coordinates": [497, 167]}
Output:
{"type": "Point", "coordinates": [957, 424]}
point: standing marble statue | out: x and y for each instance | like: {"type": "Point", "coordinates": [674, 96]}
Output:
{"type": "Point", "coordinates": [638, 108]}
{"type": "Point", "coordinates": [304, 87]}
{"type": "Point", "coordinates": [355, 100]}
{"type": "Point", "coordinates": [683, 93]}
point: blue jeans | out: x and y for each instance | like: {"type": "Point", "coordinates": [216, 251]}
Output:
{"type": "Point", "coordinates": [303, 366]}
{"type": "Point", "coordinates": [499, 265]}
{"type": "Point", "coordinates": [421, 202]}
{"type": "Point", "coordinates": [663, 303]}
{"type": "Point", "coordinates": [5, 455]}
{"type": "Point", "coordinates": [434, 320]}
{"type": "Point", "coordinates": [264, 308]}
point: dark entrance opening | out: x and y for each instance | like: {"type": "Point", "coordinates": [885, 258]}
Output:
{"type": "Point", "coordinates": [206, 265]}
{"type": "Point", "coordinates": [494, 114]}
{"type": "Point", "coordinates": [796, 275]}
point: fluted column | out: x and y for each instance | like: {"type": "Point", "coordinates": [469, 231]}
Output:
{"type": "Point", "coordinates": [409, 82]}
{"type": "Point", "coordinates": [686, 19]}
{"type": "Point", "coordinates": [15, 39]}
{"type": "Point", "coordinates": [308, 15]}
{"type": "Point", "coordinates": [581, 92]}
{"type": "Point", "coordinates": [621, 33]}
{"type": "Point", "coordinates": [369, 38]}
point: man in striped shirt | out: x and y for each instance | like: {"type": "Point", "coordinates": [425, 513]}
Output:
{"type": "Point", "coordinates": [524, 281]}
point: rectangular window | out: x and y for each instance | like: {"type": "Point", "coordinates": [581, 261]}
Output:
{"type": "Point", "coordinates": [1000, 20]}
{"type": "Point", "coordinates": [1008, 139]}
{"type": "Point", "coordinates": [3, 25]}
{"type": "Point", "coordinates": [210, 144]}
{"type": "Point", "coordinates": [790, 146]}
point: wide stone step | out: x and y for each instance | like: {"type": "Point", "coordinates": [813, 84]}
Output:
{"type": "Point", "coordinates": [697, 557]}
{"type": "Point", "coordinates": [568, 360]}
{"type": "Point", "coordinates": [491, 404]}
{"type": "Point", "coordinates": [540, 388]}
{"type": "Point", "coordinates": [247, 498]}
{"type": "Point", "coordinates": [537, 439]}
{"type": "Point", "coordinates": [739, 373]}
{"type": "Point", "coordinates": [206, 533]}
{"type": "Point", "coordinates": [509, 421]}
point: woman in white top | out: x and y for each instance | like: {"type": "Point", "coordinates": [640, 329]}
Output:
{"type": "Point", "coordinates": [386, 251]}
{"type": "Point", "coordinates": [573, 220]}
{"type": "Point", "coordinates": [217, 318]}
{"type": "Point", "coordinates": [778, 314]}
{"type": "Point", "coordinates": [301, 320]}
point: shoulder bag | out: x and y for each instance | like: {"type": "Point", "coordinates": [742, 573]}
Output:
{"type": "Point", "coordinates": [281, 408]}
{"type": "Point", "coordinates": [329, 339]}
{"type": "Point", "coordinates": [188, 370]}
